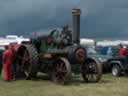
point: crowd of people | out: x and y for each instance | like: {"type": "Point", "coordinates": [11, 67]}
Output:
{"type": "Point", "coordinates": [8, 64]}
{"type": "Point", "coordinates": [121, 51]}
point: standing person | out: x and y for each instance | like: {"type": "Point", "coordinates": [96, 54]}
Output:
{"type": "Point", "coordinates": [7, 60]}
{"type": "Point", "coordinates": [13, 62]}
{"type": "Point", "coordinates": [121, 51]}
{"type": "Point", "coordinates": [109, 51]}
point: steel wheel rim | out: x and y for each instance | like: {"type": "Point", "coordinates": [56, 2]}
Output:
{"type": "Point", "coordinates": [91, 72]}
{"type": "Point", "coordinates": [61, 71]}
{"type": "Point", "coordinates": [92, 76]}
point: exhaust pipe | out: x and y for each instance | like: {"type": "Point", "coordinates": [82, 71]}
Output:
{"type": "Point", "coordinates": [76, 26]}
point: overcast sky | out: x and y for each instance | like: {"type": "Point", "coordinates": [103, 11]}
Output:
{"type": "Point", "coordinates": [100, 18]}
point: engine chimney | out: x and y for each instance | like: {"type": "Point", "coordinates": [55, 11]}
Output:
{"type": "Point", "coordinates": [76, 26]}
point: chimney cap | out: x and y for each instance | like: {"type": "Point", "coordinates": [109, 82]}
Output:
{"type": "Point", "coordinates": [76, 11]}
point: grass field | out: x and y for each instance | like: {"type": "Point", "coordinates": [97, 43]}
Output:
{"type": "Point", "coordinates": [108, 86]}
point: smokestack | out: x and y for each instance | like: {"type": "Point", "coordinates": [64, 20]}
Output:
{"type": "Point", "coordinates": [76, 25]}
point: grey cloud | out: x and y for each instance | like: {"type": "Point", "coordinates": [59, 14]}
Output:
{"type": "Point", "coordinates": [100, 18]}
{"type": "Point", "coordinates": [105, 19]}
{"type": "Point", "coordinates": [29, 15]}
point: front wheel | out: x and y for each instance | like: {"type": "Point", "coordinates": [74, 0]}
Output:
{"type": "Point", "coordinates": [116, 70]}
{"type": "Point", "coordinates": [91, 71]}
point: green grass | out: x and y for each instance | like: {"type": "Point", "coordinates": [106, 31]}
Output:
{"type": "Point", "coordinates": [108, 86]}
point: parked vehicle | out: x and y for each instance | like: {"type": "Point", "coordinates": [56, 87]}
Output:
{"type": "Point", "coordinates": [119, 65]}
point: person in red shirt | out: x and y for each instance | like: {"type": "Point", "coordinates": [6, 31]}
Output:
{"type": "Point", "coordinates": [7, 61]}
{"type": "Point", "coordinates": [121, 51]}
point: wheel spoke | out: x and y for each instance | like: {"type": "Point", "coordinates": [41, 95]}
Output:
{"type": "Point", "coordinates": [57, 66]}
{"type": "Point", "coordinates": [60, 77]}
{"type": "Point", "coordinates": [91, 72]}
{"type": "Point", "coordinates": [25, 62]}
{"type": "Point", "coordinates": [93, 77]}
{"type": "Point", "coordinates": [60, 70]}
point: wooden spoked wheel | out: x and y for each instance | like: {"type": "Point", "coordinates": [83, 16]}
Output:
{"type": "Point", "coordinates": [61, 71]}
{"type": "Point", "coordinates": [91, 71]}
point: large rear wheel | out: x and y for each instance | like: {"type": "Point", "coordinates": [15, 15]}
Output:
{"type": "Point", "coordinates": [28, 61]}
{"type": "Point", "coordinates": [91, 71]}
{"type": "Point", "coordinates": [61, 71]}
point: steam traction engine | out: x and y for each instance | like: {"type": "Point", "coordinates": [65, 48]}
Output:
{"type": "Point", "coordinates": [58, 54]}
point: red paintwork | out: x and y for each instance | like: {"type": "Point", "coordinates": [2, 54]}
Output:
{"type": "Point", "coordinates": [121, 52]}
{"type": "Point", "coordinates": [15, 46]}
{"type": "Point", "coordinates": [7, 59]}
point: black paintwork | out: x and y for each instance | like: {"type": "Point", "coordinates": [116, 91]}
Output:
{"type": "Point", "coordinates": [122, 61]}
